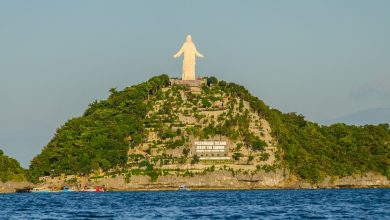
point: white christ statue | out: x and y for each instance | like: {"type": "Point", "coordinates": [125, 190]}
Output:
{"type": "Point", "coordinates": [190, 53]}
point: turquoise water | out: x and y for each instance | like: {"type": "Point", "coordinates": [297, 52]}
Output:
{"type": "Point", "coordinates": [245, 204]}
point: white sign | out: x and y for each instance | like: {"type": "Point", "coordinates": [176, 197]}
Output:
{"type": "Point", "coordinates": [210, 146]}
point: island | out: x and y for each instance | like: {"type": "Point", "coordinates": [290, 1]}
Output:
{"type": "Point", "coordinates": [201, 133]}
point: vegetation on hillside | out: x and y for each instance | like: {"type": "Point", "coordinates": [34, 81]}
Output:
{"type": "Point", "coordinates": [101, 137]}
{"type": "Point", "coordinates": [181, 115]}
{"type": "Point", "coordinates": [10, 169]}
{"type": "Point", "coordinates": [313, 151]}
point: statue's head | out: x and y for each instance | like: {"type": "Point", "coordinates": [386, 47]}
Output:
{"type": "Point", "coordinates": [189, 38]}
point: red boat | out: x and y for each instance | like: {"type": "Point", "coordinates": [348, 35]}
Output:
{"type": "Point", "coordinates": [96, 189]}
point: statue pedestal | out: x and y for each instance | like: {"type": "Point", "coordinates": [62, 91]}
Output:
{"type": "Point", "coordinates": [195, 86]}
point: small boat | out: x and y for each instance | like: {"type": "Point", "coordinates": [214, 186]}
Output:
{"type": "Point", "coordinates": [89, 190]}
{"type": "Point", "coordinates": [183, 188]}
{"type": "Point", "coordinates": [99, 189]}
{"type": "Point", "coordinates": [96, 189]}
{"type": "Point", "coordinates": [67, 189]}
{"type": "Point", "coordinates": [39, 190]}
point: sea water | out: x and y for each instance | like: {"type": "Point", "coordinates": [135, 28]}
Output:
{"type": "Point", "coordinates": [213, 204]}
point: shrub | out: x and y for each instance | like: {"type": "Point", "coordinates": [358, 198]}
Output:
{"type": "Point", "coordinates": [237, 156]}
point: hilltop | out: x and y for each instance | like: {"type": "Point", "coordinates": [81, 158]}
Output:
{"type": "Point", "coordinates": [149, 130]}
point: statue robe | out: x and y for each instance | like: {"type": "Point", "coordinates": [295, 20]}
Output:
{"type": "Point", "coordinates": [190, 52]}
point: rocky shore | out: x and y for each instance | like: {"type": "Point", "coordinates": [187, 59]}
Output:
{"type": "Point", "coordinates": [11, 187]}
{"type": "Point", "coordinates": [280, 179]}
{"type": "Point", "coordinates": [221, 179]}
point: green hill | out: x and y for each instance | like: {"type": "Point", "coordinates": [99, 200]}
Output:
{"type": "Point", "coordinates": [10, 169]}
{"type": "Point", "coordinates": [147, 129]}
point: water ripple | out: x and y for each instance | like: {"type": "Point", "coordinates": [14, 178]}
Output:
{"type": "Point", "coordinates": [245, 204]}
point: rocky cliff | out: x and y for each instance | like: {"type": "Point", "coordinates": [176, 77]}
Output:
{"type": "Point", "coordinates": [223, 179]}
{"type": "Point", "coordinates": [12, 186]}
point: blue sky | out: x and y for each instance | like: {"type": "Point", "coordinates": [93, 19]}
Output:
{"type": "Point", "coordinates": [323, 59]}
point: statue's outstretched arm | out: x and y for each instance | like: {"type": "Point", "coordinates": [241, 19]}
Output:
{"type": "Point", "coordinates": [178, 54]}
{"type": "Point", "coordinates": [198, 54]}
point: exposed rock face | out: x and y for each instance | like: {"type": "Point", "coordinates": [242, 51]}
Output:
{"type": "Point", "coordinates": [369, 179]}
{"type": "Point", "coordinates": [222, 179]}
{"type": "Point", "coordinates": [11, 187]}
{"type": "Point", "coordinates": [179, 118]}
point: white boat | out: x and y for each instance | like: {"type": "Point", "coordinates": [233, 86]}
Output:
{"type": "Point", "coordinates": [96, 189]}
{"type": "Point", "coordinates": [39, 190]}
{"type": "Point", "coordinates": [183, 188]}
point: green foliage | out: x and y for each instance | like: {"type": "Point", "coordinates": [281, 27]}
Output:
{"type": "Point", "coordinates": [176, 143]}
{"type": "Point", "coordinates": [388, 173]}
{"type": "Point", "coordinates": [145, 164]}
{"type": "Point", "coordinates": [10, 169]}
{"type": "Point", "coordinates": [239, 146]}
{"type": "Point", "coordinates": [154, 174]}
{"type": "Point", "coordinates": [237, 156]}
{"type": "Point", "coordinates": [268, 168]}
{"type": "Point", "coordinates": [196, 159]}
{"type": "Point", "coordinates": [241, 105]}
{"type": "Point", "coordinates": [211, 80]}
{"type": "Point", "coordinates": [250, 158]}
{"type": "Point", "coordinates": [254, 142]}
{"type": "Point", "coordinates": [186, 151]}
{"type": "Point", "coordinates": [136, 157]}
{"type": "Point", "coordinates": [71, 181]}
{"type": "Point", "coordinates": [128, 177]}
{"type": "Point", "coordinates": [167, 133]}
{"type": "Point", "coordinates": [178, 132]}
{"type": "Point", "coordinates": [205, 103]}
{"type": "Point", "coordinates": [188, 173]}
{"type": "Point", "coordinates": [101, 137]}
{"type": "Point", "coordinates": [312, 151]}
{"type": "Point", "coordinates": [149, 171]}
{"type": "Point", "coordinates": [182, 159]}
{"type": "Point", "coordinates": [264, 156]}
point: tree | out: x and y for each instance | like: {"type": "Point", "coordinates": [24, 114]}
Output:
{"type": "Point", "coordinates": [206, 103]}
{"type": "Point", "coordinates": [258, 144]}
{"type": "Point", "coordinates": [186, 151]}
{"type": "Point", "coordinates": [97, 138]}
{"type": "Point", "coordinates": [195, 159]}
{"type": "Point", "coordinates": [212, 81]}
{"type": "Point", "coordinates": [10, 169]}
{"type": "Point", "coordinates": [237, 156]}
{"type": "Point", "coordinates": [250, 158]}
{"type": "Point", "coordinates": [264, 156]}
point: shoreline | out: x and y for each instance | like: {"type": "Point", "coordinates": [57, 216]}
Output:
{"type": "Point", "coordinates": [256, 188]}
{"type": "Point", "coordinates": [216, 180]}
{"type": "Point", "coordinates": [215, 189]}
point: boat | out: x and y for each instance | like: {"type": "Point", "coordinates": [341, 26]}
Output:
{"type": "Point", "coordinates": [96, 189]}
{"type": "Point", "coordinates": [39, 190]}
{"type": "Point", "coordinates": [99, 189]}
{"type": "Point", "coordinates": [67, 189]}
{"type": "Point", "coordinates": [183, 188]}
